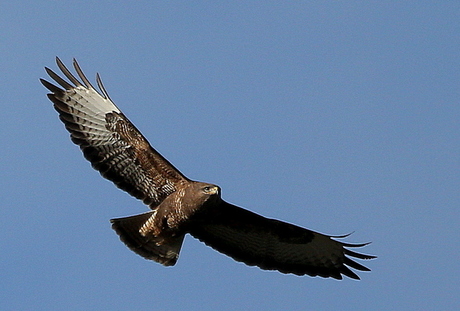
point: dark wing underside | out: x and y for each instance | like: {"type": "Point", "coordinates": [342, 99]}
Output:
{"type": "Point", "coordinates": [109, 140]}
{"type": "Point", "coordinates": [274, 245]}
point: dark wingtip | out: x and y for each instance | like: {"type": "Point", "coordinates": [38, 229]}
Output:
{"type": "Point", "coordinates": [351, 263]}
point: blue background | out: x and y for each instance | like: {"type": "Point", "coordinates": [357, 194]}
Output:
{"type": "Point", "coordinates": [337, 116]}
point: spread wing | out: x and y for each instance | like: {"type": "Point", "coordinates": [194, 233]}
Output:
{"type": "Point", "coordinates": [275, 245]}
{"type": "Point", "coordinates": [109, 140]}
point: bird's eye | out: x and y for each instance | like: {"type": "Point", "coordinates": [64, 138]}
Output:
{"type": "Point", "coordinates": [210, 189]}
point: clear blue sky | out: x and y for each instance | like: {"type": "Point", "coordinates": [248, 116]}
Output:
{"type": "Point", "coordinates": [336, 116]}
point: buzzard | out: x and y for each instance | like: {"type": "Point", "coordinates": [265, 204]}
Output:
{"type": "Point", "coordinates": [179, 205]}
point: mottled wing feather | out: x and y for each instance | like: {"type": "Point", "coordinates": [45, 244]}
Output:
{"type": "Point", "coordinates": [274, 245]}
{"type": "Point", "coordinates": [109, 140]}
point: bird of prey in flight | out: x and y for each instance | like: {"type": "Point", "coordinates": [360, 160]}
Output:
{"type": "Point", "coordinates": [179, 205]}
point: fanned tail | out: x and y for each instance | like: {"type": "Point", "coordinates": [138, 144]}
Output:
{"type": "Point", "coordinates": [162, 250]}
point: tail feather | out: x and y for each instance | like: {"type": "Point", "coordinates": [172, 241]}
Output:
{"type": "Point", "coordinates": [162, 250]}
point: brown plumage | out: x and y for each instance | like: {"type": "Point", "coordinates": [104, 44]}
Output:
{"type": "Point", "coordinates": [179, 205]}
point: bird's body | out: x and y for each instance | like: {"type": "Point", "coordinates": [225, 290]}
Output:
{"type": "Point", "coordinates": [179, 205]}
